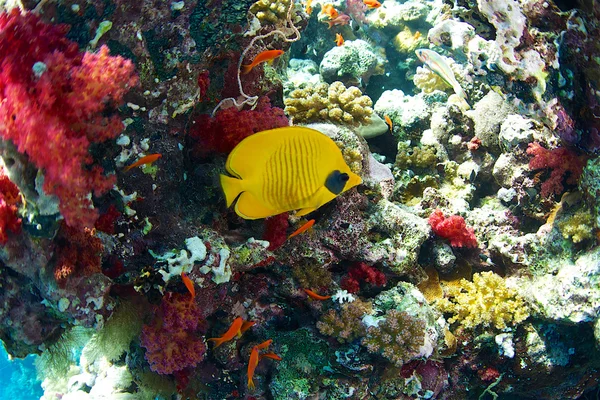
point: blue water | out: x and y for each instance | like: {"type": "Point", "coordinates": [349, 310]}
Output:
{"type": "Point", "coordinates": [18, 380]}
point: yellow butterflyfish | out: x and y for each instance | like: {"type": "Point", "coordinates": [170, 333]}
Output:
{"type": "Point", "coordinates": [285, 169]}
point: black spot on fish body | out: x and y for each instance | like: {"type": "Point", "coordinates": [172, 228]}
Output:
{"type": "Point", "coordinates": [336, 181]}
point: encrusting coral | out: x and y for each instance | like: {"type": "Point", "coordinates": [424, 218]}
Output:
{"type": "Point", "coordinates": [485, 302]}
{"type": "Point", "coordinates": [334, 103]}
{"type": "Point", "coordinates": [398, 338]}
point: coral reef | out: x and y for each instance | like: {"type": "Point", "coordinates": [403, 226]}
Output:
{"type": "Point", "coordinates": [355, 62]}
{"type": "Point", "coordinates": [269, 11]}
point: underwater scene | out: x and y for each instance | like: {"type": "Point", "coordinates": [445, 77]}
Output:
{"type": "Point", "coordinates": [299, 199]}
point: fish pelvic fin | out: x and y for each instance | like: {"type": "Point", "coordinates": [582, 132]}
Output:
{"type": "Point", "coordinates": [232, 187]}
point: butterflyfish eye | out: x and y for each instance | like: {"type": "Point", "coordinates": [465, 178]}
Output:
{"type": "Point", "coordinates": [336, 181]}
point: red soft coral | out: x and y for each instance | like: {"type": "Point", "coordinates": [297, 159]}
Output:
{"type": "Point", "coordinates": [562, 161]}
{"type": "Point", "coordinates": [9, 197]}
{"type": "Point", "coordinates": [77, 254]}
{"type": "Point", "coordinates": [54, 103]}
{"type": "Point", "coordinates": [452, 228]}
{"type": "Point", "coordinates": [276, 230]}
{"type": "Point", "coordinates": [362, 272]}
{"type": "Point", "coordinates": [229, 126]}
{"type": "Point", "coordinates": [172, 342]}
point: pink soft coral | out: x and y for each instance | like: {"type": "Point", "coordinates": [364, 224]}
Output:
{"type": "Point", "coordinates": [228, 127]}
{"type": "Point", "coordinates": [54, 105]}
{"type": "Point", "coordinates": [172, 342]}
{"type": "Point", "coordinates": [562, 161]}
{"type": "Point", "coordinates": [452, 228]}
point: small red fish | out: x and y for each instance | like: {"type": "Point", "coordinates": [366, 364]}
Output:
{"type": "Point", "coordinates": [265, 56]}
{"type": "Point", "coordinates": [329, 11]}
{"type": "Point", "coordinates": [189, 285]}
{"type": "Point", "coordinates": [341, 19]}
{"type": "Point", "coordinates": [316, 296]}
{"type": "Point", "coordinates": [303, 228]}
{"type": "Point", "coordinates": [238, 327]}
{"type": "Point", "coordinates": [339, 39]}
{"type": "Point", "coordinates": [309, 6]}
{"type": "Point", "coordinates": [388, 121]}
{"type": "Point", "coordinates": [372, 3]}
{"type": "Point", "coordinates": [149, 159]}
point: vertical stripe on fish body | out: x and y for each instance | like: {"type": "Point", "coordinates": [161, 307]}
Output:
{"type": "Point", "coordinates": [285, 169]}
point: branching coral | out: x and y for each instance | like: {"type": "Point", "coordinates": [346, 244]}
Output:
{"type": "Point", "coordinates": [579, 227]}
{"type": "Point", "coordinates": [398, 338]}
{"type": "Point", "coordinates": [77, 254]}
{"type": "Point", "coordinates": [428, 81]}
{"type": "Point", "coordinates": [56, 102]}
{"type": "Point", "coordinates": [485, 302]}
{"type": "Point", "coordinates": [333, 103]}
{"type": "Point", "coordinates": [345, 325]}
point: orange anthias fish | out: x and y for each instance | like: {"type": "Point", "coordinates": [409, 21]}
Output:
{"type": "Point", "coordinates": [149, 159]}
{"type": "Point", "coordinates": [339, 39]}
{"type": "Point", "coordinates": [238, 327]}
{"type": "Point", "coordinates": [329, 10]}
{"type": "Point", "coordinates": [388, 121]}
{"type": "Point", "coordinates": [265, 56]}
{"type": "Point", "coordinates": [316, 296]}
{"type": "Point", "coordinates": [255, 358]}
{"type": "Point", "coordinates": [189, 285]}
{"type": "Point", "coordinates": [303, 228]}
{"type": "Point", "coordinates": [372, 3]}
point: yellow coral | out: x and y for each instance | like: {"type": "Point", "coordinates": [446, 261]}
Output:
{"type": "Point", "coordinates": [579, 227]}
{"type": "Point", "coordinates": [407, 41]}
{"type": "Point", "coordinates": [428, 81]}
{"type": "Point", "coordinates": [486, 301]}
{"type": "Point", "coordinates": [270, 11]}
{"type": "Point", "coordinates": [334, 103]}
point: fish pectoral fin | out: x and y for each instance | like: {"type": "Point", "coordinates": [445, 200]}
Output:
{"type": "Point", "coordinates": [249, 207]}
{"type": "Point", "coordinates": [304, 211]}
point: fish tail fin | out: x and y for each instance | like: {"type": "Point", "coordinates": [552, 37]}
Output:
{"type": "Point", "coordinates": [217, 341]}
{"type": "Point", "coordinates": [232, 187]}
{"type": "Point", "coordinates": [246, 68]}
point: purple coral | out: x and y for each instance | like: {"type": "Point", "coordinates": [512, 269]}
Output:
{"type": "Point", "coordinates": [171, 341]}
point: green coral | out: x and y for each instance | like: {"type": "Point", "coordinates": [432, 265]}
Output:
{"type": "Point", "coordinates": [485, 302]}
{"type": "Point", "coordinates": [418, 157]}
{"type": "Point", "coordinates": [270, 11]}
{"type": "Point", "coordinates": [58, 358]}
{"type": "Point", "coordinates": [398, 338]}
{"type": "Point", "coordinates": [345, 325]}
{"type": "Point", "coordinates": [311, 274]}
{"type": "Point", "coordinates": [329, 103]}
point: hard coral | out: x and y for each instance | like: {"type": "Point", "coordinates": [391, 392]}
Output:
{"type": "Point", "coordinates": [486, 302]}
{"type": "Point", "coordinates": [56, 102]}
{"type": "Point", "coordinates": [229, 126]}
{"type": "Point", "coordinates": [398, 338]}
{"type": "Point", "coordinates": [362, 272]}
{"type": "Point", "coordinates": [562, 161]}
{"type": "Point", "coordinates": [333, 103]}
{"type": "Point", "coordinates": [172, 342]}
{"type": "Point", "coordinates": [270, 11]}
{"type": "Point", "coordinates": [452, 228]}
{"type": "Point", "coordinates": [345, 325]}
